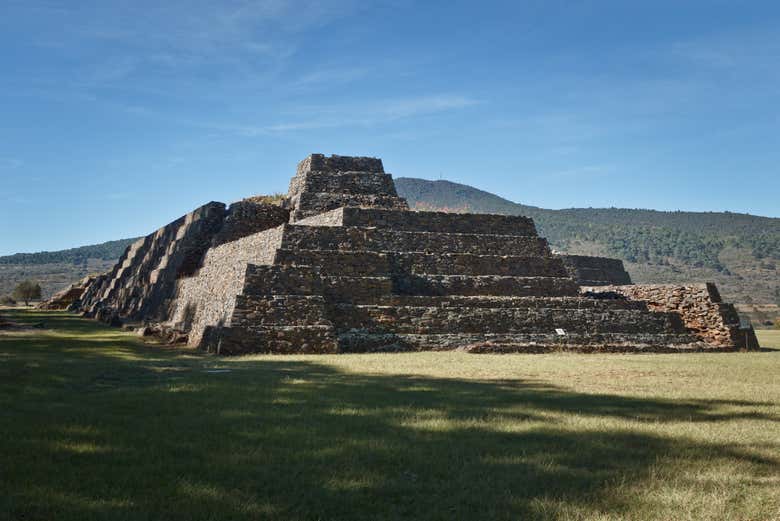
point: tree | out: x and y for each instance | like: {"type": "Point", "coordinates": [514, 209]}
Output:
{"type": "Point", "coordinates": [26, 291]}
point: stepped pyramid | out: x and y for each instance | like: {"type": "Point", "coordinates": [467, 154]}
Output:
{"type": "Point", "coordinates": [353, 270]}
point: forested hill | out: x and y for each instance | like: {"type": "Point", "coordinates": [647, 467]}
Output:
{"type": "Point", "coordinates": [54, 270]}
{"type": "Point", "coordinates": [110, 250]}
{"type": "Point", "coordinates": [739, 251]}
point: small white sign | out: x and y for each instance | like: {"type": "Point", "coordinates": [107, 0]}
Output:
{"type": "Point", "coordinates": [560, 331]}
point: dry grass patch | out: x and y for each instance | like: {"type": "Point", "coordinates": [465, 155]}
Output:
{"type": "Point", "coordinates": [98, 425]}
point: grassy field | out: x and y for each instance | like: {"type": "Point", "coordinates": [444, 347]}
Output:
{"type": "Point", "coordinates": [97, 425]}
{"type": "Point", "coordinates": [769, 338]}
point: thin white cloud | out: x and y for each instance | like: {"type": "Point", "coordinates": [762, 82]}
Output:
{"type": "Point", "coordinates": [247, 39]}
{"type": "Point", "coordinates": [10, 163]}
{"type": "Point", "coordinates": [581, 172]}
{"type": "Point", "coordinates": [365, 114]}
{"type": "Point", "coordinates": [330, 76]}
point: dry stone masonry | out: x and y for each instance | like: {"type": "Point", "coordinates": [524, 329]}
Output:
{"type": "Point", "coordinates": [700, 307]}
{"type": "Point", "coordinates": [596, 271]}
{"type": "Point", "coordinates": [343, 266]}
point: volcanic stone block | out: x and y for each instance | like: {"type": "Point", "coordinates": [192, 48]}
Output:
{"type": "Point", "coordinates": [279, 310]}
{"type": "Point", "coordinates": [277, 340]}
{"type": "Point", "coordinates": [438, 320]}
{"type": "Point", "coordinates": [484, 285]}
{"type": "Point", "coordinates": [596, 271]}
{"type": "Point", "coordinates": [376, 239]}
{"type": "Point", "coordinates": [247, 217]}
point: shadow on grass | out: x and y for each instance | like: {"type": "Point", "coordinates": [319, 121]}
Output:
{"type": "Point", "coordinates": [92, 433]}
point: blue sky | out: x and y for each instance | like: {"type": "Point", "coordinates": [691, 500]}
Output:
{"type": "Point", "coordinates": [117, 117]}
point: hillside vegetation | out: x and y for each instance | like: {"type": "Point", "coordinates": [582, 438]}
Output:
{"type": "Point", "coordinates": [110, 250]}
{"type": "Point", "coordinates": [741, 252]}
{"type": "Point", "coordinates": [56, 269]}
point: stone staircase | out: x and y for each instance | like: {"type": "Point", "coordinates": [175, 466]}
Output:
{"type": "Point", "coordinates": [364, 279]}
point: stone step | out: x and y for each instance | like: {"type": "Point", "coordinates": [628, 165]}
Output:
{"type": "Point", "coordinates": [504, 302]}
{"type": "Point", "coordinates": [272, 280]}
{"type": "Point", "coordinates": [356, 289]}
{"type": "Point", "coordinates": [474, 264]}
{"type": "Point", "coordinates": [279, 310]}
{"type": "Point", "coordinates": [336, 262]}
{"type": "Point", "coordinates": [429, 320]}
{"type": "Point", "coordinates": [385, 240]}
{"type": "Point", "coordinates": [383, 263]}
{"type": "Point", "coordinates": [361, 342]}
{"type": "Point", "coordinates": [444, 222]}
{"type": "Point", "coordinates": [496, 285]}
{"type": "Point", "coordinates": [315, 339]}
{"type": "Point", "coordinates": [348, 183]}
{"type": "Point", "coordinates": [601, 276]}
{"type": "Point", "coordinates": [307, 204]}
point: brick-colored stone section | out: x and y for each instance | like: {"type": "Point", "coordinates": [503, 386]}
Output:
{"type": "Point", "coordinates": [699, 305]}
{"type": "Point", "coordinates": [596, 271]}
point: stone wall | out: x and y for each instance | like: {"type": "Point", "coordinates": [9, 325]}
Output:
{"type": "Point", "coordinates": [324, 183]}
{"type": "Point", "coordinates": [699, 305]}
{"type": "Point", "coordinates": [249, 216]}
{"type": "Point", "coordinates": [335, 163]}
{"type": "Point", "coordinates": [596, 271]}
{"type": "Point", "coordinates": [142, 283]}
{"type": "Point", "coordinates": [208, 298]}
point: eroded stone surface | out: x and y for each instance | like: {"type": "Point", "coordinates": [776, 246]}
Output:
{"type": "Point", "coordinates": [596, 271]}
{"type": "Point", "coordinates": [699, 306]}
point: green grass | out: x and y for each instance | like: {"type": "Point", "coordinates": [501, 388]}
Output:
{"type": "Point", "coordinates": [97, 425]}
{"type": "Point", "coordinates": [769, 338]}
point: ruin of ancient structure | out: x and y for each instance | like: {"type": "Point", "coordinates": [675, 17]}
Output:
{"type": "Point", "coordinates": [344, 266]}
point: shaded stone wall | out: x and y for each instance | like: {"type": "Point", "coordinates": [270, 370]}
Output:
{"type": "Point", "coordinates": [208, 298]}
{"type": "Point", "coordinates": [143, 284]}
{"type": "Point", "coordinates": [596, 271]}
{"type": "Point", "coordinates": [143, 281]}
{"type": "Point", "coordinates": [249, 216]}
{"type": "Point", "coordinates": [699, 305]}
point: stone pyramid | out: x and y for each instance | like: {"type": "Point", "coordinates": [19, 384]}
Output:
{"type": "Point", "coordinates": [353, 270]}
